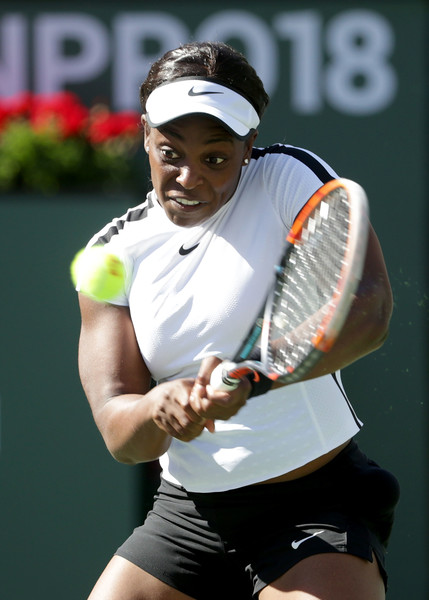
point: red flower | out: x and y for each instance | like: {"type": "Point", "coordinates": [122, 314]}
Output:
{"type": "Point", "coordinates": [63, 110]}
{"type": "Point", "coordinates": [15, 107]}
{"type": "Point", "coordinates": [105, 125]}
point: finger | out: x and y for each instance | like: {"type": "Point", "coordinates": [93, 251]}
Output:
{"type": "Point", "coordinates": [210, 425]}
{"type": "Point", "coordinates": [225, 398]}
{"type": "Point", "coordinates": [198, 393]}
{"type": "Point", "coordinates": [196, 396]}
{"type": "Point", "coordinates": [207, 366]}
{"type": "Point", "coordinates": [197, 403]}
{"type": "Point", "coordinates": [185, 430]}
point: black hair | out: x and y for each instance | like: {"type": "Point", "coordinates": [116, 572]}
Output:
{"type": "Point", "coordinates": [214, 61]}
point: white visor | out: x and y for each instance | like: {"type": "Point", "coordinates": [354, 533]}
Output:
{"type": "Point", "coordinates": [199, 96]}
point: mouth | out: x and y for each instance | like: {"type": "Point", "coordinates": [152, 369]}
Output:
{"type": "Point", "coordinates": [185, 202]}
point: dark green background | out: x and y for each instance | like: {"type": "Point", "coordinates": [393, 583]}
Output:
{"type": "Point", "coordinates": [65, 504]}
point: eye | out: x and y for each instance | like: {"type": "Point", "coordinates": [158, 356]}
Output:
{"type": "Point", "coordinates": [215, 160]}
{"type": "Point", "coordinates": [169, 154]}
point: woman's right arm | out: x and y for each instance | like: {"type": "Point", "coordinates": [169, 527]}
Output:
{"type": "Point", "coordinates": [136, 422]}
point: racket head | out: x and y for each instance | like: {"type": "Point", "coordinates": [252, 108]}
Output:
{"type": "Point", "coordinates": [316, 281]}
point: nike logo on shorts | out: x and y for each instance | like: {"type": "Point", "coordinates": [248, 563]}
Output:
{"type": "Point", "coordinates": [184, 251]}
{"type": "Point", "coordinates": [297, 543]}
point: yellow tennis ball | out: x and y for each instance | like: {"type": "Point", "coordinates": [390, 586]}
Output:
{"type": "Point", "coordinates": [98, 273]}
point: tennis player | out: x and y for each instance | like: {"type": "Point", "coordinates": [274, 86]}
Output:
{"type": "Point", "coordinates": [264, 492]}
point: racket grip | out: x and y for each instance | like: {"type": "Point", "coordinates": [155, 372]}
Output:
{"type": "Point", "coordinates": [220, 379]}
{"type": "Point", "coordinates": [227, 376]}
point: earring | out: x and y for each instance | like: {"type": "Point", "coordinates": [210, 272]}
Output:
{"type": "Point", "coordinates": [246, 161]}
{"type": "Point", "coordinates": [147, 149]}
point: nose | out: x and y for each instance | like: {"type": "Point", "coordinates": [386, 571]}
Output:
{"type": "Point", "coordinates": [189, 177]}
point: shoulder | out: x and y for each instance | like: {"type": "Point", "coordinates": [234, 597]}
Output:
{"type": "Point", "coordinates": [288, 176]}
{"type": "Point", "coordinates": [300, 161]}
{"type": "Point", "coordinates": [134, 216]}
{"type": "Point", "coordinates": [123, 235]}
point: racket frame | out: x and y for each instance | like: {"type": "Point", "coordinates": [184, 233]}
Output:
{"type": "Point", "coordinates": [328, 330]}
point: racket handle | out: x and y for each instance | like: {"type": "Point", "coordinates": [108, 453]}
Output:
{"type": "Point", "coordinates": [220, 379]}
{"type": "Point", "coordinates": [227, 376]}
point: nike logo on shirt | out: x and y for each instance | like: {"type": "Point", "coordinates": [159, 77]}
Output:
{"type": "Point", "coordinates": [183, 251]}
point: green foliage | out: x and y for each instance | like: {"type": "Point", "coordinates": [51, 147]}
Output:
{"type": "Point", "coordinates": [51, 144]}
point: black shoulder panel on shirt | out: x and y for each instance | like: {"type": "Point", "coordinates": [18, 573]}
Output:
{"type": "Point", "coordinates": [134, 214]}
{"type": "Point", "coordinates": [302, 155]}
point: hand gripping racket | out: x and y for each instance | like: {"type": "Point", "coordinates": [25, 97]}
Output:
{"type": "Point", "coordinates": [313, 289]}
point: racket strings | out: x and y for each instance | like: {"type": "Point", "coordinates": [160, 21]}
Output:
{"type": "Point", "coordinates": [306, 289]}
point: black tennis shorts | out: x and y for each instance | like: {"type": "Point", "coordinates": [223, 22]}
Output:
{"type": "Point", "coordinates": [232, 544]}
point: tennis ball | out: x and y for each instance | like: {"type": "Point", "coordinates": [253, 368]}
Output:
{"type": "Point", "coordinates": [98, 273]}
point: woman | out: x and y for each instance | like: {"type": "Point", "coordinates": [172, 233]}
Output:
{"type": "Point", "coordinates": [264, 493]}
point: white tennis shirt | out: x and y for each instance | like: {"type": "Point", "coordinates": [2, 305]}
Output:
{"type": "Point", "coordinates": [194, 292]}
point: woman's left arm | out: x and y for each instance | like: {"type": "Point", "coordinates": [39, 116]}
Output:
{"type": "Point", "coordinates": [367, 325]}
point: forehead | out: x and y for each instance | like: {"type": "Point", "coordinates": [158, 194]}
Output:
{"type": "Point", "coordinates": [196, 126]}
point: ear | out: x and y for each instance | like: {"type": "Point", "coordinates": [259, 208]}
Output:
{"type": "Point", "coordinates": [146, 132]}
{"type": "Point", "coordinates": [248, 144]}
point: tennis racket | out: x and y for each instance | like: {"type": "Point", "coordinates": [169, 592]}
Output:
{"type": "Point", "coordinates": [313, 289]}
